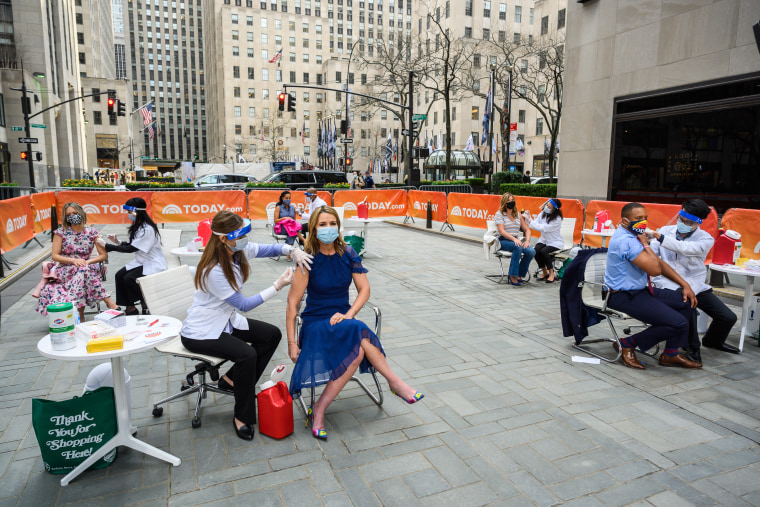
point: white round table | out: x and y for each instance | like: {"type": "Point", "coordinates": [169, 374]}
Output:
{"type": "Point", "coordinates": [604, 234]}
{"type": "Point", "coordinates": [144, 337]}
{"type": "Point", "coordinates": [182, 251]}
{"type": "Point", "coordinates": [366, 221]}
{"type": "Point", "coordinates": [749, 290]}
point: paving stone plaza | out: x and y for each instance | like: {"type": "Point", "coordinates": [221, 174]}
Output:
{"type": "Point", "coordinates": [507, 419]}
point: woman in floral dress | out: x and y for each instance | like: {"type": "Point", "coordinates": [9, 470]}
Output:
{"type": "Point", "coordinates": [78, 274]}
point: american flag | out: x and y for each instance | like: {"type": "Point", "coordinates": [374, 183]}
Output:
{"type": "Point", "coordinates": [146, 113]}
{"type": "Point", "coordinates": [303, 133]}
{"type": "Point", "coordinates": [150, 131]}
{"type": "Point", "coordinates": [276, 56]}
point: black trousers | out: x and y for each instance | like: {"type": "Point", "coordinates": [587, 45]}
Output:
{"type": "Point", "coordinates": [723, 320]}
{"type": "Point", "coordinates": [665, 312]}
{"type": "Point", "coordinates": [251, 351]}
{"type": "Point", "coordinates": [542, 257]}
{"type": "Point", "coordinates": [305, 229]}
{"type": "Point", "coordinates": [127, 291]}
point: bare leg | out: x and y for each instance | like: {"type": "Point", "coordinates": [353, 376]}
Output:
{"type": "Point", "coordinates": [376, 357]}
{"type": "Point", "coordinates": [332, 389]}
{"type": "Point", "coordinates": [551, 274]}
{"type": "Point", "coordinates": [544, 272]}
{"type": "Point", "coordinates": [110, 304]}
{"type": "Point", "coordinates": [227, 379]}
{"type": "Point", "coordinates": [81, 314]}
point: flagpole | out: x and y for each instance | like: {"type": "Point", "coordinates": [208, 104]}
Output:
{"type": "Point", "coordinates": [490, 129]}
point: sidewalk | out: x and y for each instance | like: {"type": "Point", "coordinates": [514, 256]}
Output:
{"type": "Point", "coordinates": [507, 419]}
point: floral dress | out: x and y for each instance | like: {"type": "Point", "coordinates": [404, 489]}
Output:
{"type": "Point", "coordinates": [80, 285]}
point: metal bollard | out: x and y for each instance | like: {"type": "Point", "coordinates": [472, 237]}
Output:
{"type": "Point", "coordinates": [429, 223]}
{"type": "Point", "coordinates": [53, 221]}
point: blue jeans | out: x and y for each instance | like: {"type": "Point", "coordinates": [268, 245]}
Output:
{"type": "Point", "coordinates": [521, 257]}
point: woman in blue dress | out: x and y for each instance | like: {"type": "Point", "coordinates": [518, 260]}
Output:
{"type": "Point", "coordinates": [332, 343]}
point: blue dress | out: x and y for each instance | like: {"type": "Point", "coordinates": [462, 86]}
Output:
{"type": "Point", "coordinates": [327, 351]}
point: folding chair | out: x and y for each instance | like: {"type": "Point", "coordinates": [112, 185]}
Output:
{"type": "Point", "coordinates": [567, 230]}
{"type": "Point", "coordinates": [277, 237]}
{"type": "Point", "coordinates": [377, 399]}
{"type": "Point", "coordinates": [594, 294]}
{"type": "Point", "coordinates": [170, 293]}
{"type": "Point", "coordinates": [500, 254]}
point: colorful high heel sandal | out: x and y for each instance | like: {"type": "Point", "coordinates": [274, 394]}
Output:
{"type": "Point", "coordinates": [318, 434]}
{"type": "Point", "coordinates": [417, 397]}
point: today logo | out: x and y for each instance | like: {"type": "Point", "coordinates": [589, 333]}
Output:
{"type": "Point", "coordinates": [423, 206]}
{"type": "Point", "coordinates": [173, 209]}
{"type": "Point", "coordinates": [14, 224]}
{"type": "Point", "coordinates": [471, 213]}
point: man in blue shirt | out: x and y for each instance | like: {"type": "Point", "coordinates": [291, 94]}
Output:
{"type": "Point", "coordinates": [630, 265]}
{"type": "Point", "coordinates": [685, 246]}
{"type": "Point", "coordinates": [370, 182]}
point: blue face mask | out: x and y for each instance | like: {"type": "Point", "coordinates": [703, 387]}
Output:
{"type": "Point", "coordinates": [286, 202]}
{"type": "Point", "coordinates": [327, 235]}
{"type": "Point", "coordinates": [682, 227]}
{"type": "Point", "coordinates": [131, 217]}
{"type": "Point", "coordinates": [239, 244]}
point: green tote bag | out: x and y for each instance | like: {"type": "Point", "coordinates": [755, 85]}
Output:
{"type": "Point", "coordinates": [69, 431]}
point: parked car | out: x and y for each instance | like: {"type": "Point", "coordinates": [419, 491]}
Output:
{"type": "Point", "coordinates": [301, 180]}
{"type": "Point", "coordinates": [542, 180]}
{"type": "Point", "coordinates": [223, 181]}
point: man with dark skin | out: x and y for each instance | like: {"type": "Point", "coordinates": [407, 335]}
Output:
{"type": "Point", "coordinates": [630, 266]}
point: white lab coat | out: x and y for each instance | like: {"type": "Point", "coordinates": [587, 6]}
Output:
{"type": "Point", "coordinates": [209, 314]}
{"type": "Point", "coordinates": [550, 231]}
{"type": "Point", "coordinates": [149, 254]}
{"type": "Point", "coordinates": [686, 257]}
{"type": "Point", "coordinates": [316, 203]}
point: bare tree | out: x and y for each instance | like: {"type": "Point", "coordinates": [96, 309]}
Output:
{"type": "Point", "coordinates": [273, 132]}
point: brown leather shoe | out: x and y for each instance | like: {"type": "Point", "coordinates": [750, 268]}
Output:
{"type": "Point", "coordinates": [629, 359]}
{"type": "Point", "coordinates": [678, 360]}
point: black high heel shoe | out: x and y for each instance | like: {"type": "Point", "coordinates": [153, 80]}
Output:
{"type": "Point", "coordinates": [132, 312]}
{"type": "Point", "coordinates": [245, 431]}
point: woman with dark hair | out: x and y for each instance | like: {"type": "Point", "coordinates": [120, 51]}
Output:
{"type": "Point", "coordinates": [548, 223]}
{"type": "Point", "coordinates": [333, 344]}
{"type": "Point", "coordinates": [285, 219]}
{"type": "Point", "coordinates": [510, 223]}
{"type": "Point", "coordinates": [213, 326]}
{"type": "Point", "coordinates": [145, 243]}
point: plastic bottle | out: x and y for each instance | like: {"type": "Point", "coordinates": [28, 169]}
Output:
{"type": "Point", "coordinates": [275, 406]}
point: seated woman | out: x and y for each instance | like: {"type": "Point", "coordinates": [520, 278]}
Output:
{"type": "Point", "coordinates": [510, 223]}
{"type": "Point", "coordinates": [213, 327]}
{"type": "Point", "coordinates": [548, 223]}
{"type": "Point", "coordinates": [78, 274]}
{"type": "Point", "coordinates": [145, 243]}
{"type": "Point", "coordinates": [333, 344]}
{"type": "Point", "coordinates": [285, 220]}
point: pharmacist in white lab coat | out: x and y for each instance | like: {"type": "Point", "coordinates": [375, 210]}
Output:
{"type": "Point", "coordinates": [145, 243]}
{"type": "Point", "coordinates": [684, 247]}
{"type": "Point", "coordinates": [549, 224]}
{"type": "Point", "coordinates": [213, 327]}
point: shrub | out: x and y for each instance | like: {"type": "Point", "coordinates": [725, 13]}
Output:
{"type": "Point", "coordinates": [8, 184]}
{"type": "Point", "coordinates": [337, 185]}
{"type": "Point", "coordinates": [526, 189]}
{"type": "Point", "coordinates": [266, 185]}
{"type": "Point", "coordinates": [85, 183]}
{"type": "Point", "coordinates": [157, 185]}
{"type": "Point", "coordinates": [476, 182]}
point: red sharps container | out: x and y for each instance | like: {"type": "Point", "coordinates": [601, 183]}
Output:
{"type": "Point", "coordinates": [204, 230]}
{"type": "Point", "coordinates": [727, 247]}
{"type": "Point", "coordinates": [275, 406]}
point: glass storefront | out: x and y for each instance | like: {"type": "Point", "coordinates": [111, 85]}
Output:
{"type": "Point", "coordinates": [698, 142]}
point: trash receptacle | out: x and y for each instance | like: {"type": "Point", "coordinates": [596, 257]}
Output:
{"type": "Point", "coordinates": [101, 376]}
{"type": "Point", "coordinates": [356, 242]}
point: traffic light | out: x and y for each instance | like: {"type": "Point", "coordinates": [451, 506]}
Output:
{"type": "Point", "coordinates": [282, 101]}
{"type": "Point", "coordinates": [121, 108]}
{"type": "Point", "coordinates": [349, 161]}
{"type": "Point", "coordinates": [38, 156]}
{"type": "Point", "coordinates": [343, 127]}
{"type": "Point", "coordinates": [111, 103]}
{"type": "Point", "coordinates": [291, 102]}
{"type": "Point", "coordinates": [25, 155]}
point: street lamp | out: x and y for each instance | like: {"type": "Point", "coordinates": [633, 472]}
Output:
{"type": "Point", "coordinates": [224, 154]}
{"type": "Point", "coordinates": [348, 73]}
{"type": "Point", "coordinates": [490, 127]}
{"type": "Point", "coordinates": [509, 113]}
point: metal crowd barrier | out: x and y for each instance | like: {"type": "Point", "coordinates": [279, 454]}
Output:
{"type": "Point", "coordinates": [79, 189]}
{"type": "Point", "coordinates": [11, 192]}
{"type": "Point", "coordinates": [462, 189]}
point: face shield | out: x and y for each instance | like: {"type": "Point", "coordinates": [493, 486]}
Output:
{"type": "Point", "coordinates": [237, 233]}
{"type": "Point", "coordinates": [685, 222]}
{"type": "Point", "coordinates": [552, 204]}
{"type": "Point", "coordinates": [129, 214]}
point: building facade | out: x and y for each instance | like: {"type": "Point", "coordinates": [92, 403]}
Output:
{"type": "Point", "coordinates": [662, 102]}
{"type": "Point", "coordinates": [42, 37]}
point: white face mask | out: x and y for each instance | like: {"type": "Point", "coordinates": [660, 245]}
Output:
{"type": "Point", "coordinates": [239, 244]}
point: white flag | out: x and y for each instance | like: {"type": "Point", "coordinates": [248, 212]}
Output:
{"type": "Point", "coordinates": [470, 144]}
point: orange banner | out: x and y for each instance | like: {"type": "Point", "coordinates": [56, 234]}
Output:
{"type": "Point", "coordinates": [260, 200]}
{"type": "Point", "coordinates": [472, 210]}
{"type": "Point", "coordinates": [382, 203]}
{"type": "Point", "coordinates": [747, 223]}
{"type": "Point", "coordinates": [101, 207]}
{"type": "Point", "coordinates": [41, 204]}
{"type": "Point", "coordinates": [194, 206]}
{"type": "Point", "coordinates": [16, 222]}
{"type": "Point", "coordinates": [571, 208]}
{"type": "Point", "coordinates": [417, 203]}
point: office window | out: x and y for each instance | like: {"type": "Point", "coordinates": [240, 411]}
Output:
{"type": "Point", "coordinates": [234, 19]}
{"type": "Point", "coordinates": [486, 9]}
{"type": "Point", "coordinates": [476, 60]}
{"type": "Point", "coordinates": [235, 35]}
{"type": "Point", "coordinates": [516, 38]}
{"type": "Point", "coordinates": [467, 32]}
{"type": "Point", "coordinates": [539, 126]}
{"type": "Point", "coordinates": [453, 114]}
{"type": "Point", "coordinates": [235, 51]}
{"type": "Point", "coordinates": [236, 91]}
{"type": "Point", "coordinates": [249, 20]}
{"type": "Point", "coordinates": [82, 59]}
{"type": "Point", "coordinates": [250, 52]}
{"type": "Point", "coordinates": [80, 38]}
{"type": "Point", "coordinates": [503, 11]}
{"type": "Point", "coordinates": [97, 118]}
{"type": "Point", "coordinates": [486, 34]}
{"type": "Point", "coordinates": [544, 25]}
{"type": "Point", "coordinates": [251, 73]}
{"type": "Point", "coordinates": [251, 130]}
{"type": "Point", "coordinates": [252, 112]}
{"type": "Point", "coordinates": [249, 36]}
{"type": "Point", "coordinates": [467, 9]}
{"type": "Point", "coordinates": [2, 111]}
{"type": "Point", "coordinates": [251, 93]}
{"type": "Point", "coordinates": [523, 66]}
{"type": "Point", "coordinates": [80, 21]}
{"type": "Point", "coordinates": [263, 22]}
{"type": "Point", "coordinates": [264, 38]}
{"type": "Point", "coordinates": [238, 130]}
{"type": "Point", "coordinates": [521, 116]}
{"type": "Point", "coordinates": [518, 14]}
{"type": "Point", "coordinates": [265, 75]}
{"type": "Point", "coordinates": [530, 21]}
{"type": "Point", "coordinates": [265, 54]}
{"type": "Point", "coordinates": [561, 19]}
{"type": "Point", "coordinates": [475, 113]}
{"type": "Point", "coordinates": [236, 72]}
{"type": "Point", "coordinates": [237, 112]}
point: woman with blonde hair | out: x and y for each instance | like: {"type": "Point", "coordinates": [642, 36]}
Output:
{"type": "Point", "coordinates": [332, 344]}
{"type": "Point", "coordinates": [213, 327]}
{"type": "Point", "coordinates": [78, 274]}
{"type": "Point", "coordinates": [509, 222]}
